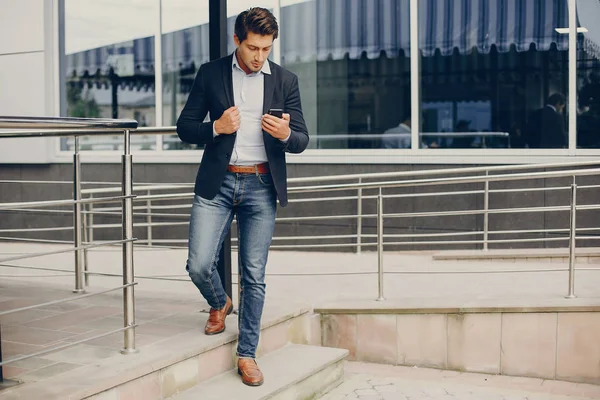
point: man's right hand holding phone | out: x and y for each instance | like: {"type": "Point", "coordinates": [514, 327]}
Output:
{"type": "Point", "coordinates": [277, 124]}
{"type": "Point", "coordinates": [229, 122]}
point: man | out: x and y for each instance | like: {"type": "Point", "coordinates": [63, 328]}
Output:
{"type": "Point", "coordinates": [547, 128]}
{"type": "Point", "coordinates": [242, 173]}
{"type": "Point", "coordinates": [397, 137]}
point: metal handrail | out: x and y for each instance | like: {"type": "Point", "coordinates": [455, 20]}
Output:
{"type": "Point", "coordinates": [31, 127]}
{"type": "Point", "coordinates": [76, 125]}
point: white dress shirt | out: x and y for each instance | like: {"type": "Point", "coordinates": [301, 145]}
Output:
{"type": "Point", "coordinates": [248, 94]}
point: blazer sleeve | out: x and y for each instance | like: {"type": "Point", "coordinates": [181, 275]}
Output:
{"type": "Point", "coordinates": [298, 139]}
{"type": "Point", "coordinates": [190, 126]}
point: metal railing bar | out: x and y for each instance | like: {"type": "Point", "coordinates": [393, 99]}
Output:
{"type": "Point", "coordinates": [71, 344]}
{"type": "Point", "coordinates": [588, 207]}
{"type": "Point", "coordinates": [62, 202]}
{"type": "Point", "coordinates": [167, 206]}
{"type": "Point", "coordinates": [445, 181]}
{"type": "Point", "coordinates": [449, 242]}
{"type": "Point", "coordinates": [65, 123]}
{"type": "Point", "coordinates": [454, 242]}
{"type": "Point", "coordinates": [165, 196]}
{"type": "Point", "coordinates": [447, 171]}
{"type": "Point", "coordinates": [588, 187]}
{"type": "Point", "coordinates": [154, 206]}
{"type": "Point", "coordinates": [34, 276]}
{"type": "Point", "coordinates": [353, 236]}
{"type": "Point", "coordinates": [144, 244]}
{"type": "Point", "coordinates": [138, 224]}
{"type": "Point", "coordinates": [57, 228]}
{"type": "Point", "coordinates": [502, 271]}
{"type": "Point", "coordinates": [79, 297]}
{"type": "Point", "coordinates": [163, 215]}
{"type": "Point", "coordinates": [410, 272]}
{"type": "Point", "coordinates": [321, 217]}
{"type": "Point", "coordinates": [309, 246]}
{"type": "Point", "coordinates": [39, 211]}
{"type": "Point", "coordinates": [70, 249]}
{"type": "Point", "coordinates": [139, 188]}
{"type": "Point", "coordinates": [398, 235]}
{"type": "Point", "coordinates": [36, 268]}
{"type": "Point", "coordinates": [490, 211]}
{"type": "Point", "coordinates": [137, 276]}
{"type": "Point", "coordinates": [56, 182]}
{"type": "Point", "coordinates": [317, 199]}
{"type": "Point", "coordinates": [18, 239]}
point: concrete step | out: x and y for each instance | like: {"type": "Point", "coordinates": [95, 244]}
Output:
{"type": "Point", "coordinates": [293, 372]}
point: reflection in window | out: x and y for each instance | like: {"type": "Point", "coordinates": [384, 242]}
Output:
{"type": "Point", "coordinates": [588, 75]}
{"type": "Point", "coordinates": [109, 47]}
{"type": "Point", "coordinates": [352, 60]}
{"type": "Point", "coordinates": [488, 69]}
{"type": "Point", "coordinates": [185, 46]}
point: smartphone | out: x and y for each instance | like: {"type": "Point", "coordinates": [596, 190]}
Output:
{"type": "Point", "coordinates": [276, 112]}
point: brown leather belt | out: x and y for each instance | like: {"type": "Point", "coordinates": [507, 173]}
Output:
{"type": "Point", "coordinates": [249, 169]}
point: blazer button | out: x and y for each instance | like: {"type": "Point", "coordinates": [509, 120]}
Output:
{"type": "Point", "coordinates": [227, 155]}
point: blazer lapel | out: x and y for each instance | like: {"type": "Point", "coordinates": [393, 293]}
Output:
{"type": "Point", "coordinates": [269, 87]}
{"type": "Point", "coordinates": [228, 80]}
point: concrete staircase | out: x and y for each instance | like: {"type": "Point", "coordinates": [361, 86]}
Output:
{"type": "Point", "coordinates": [293, 372]}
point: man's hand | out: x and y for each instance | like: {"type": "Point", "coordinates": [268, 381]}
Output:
{"type": "Point", "coordinates": [279, 128]}
{"type": "Point", "coordinates": [229, 122]}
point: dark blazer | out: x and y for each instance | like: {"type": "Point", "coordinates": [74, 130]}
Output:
{"type": "Point", "coordinates": [212, 93]}
{"type": "Point", "coordinates": [552, 132]}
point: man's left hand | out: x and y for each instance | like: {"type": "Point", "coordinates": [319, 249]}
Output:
{"type": "Point", "coordinates": [279, 128]}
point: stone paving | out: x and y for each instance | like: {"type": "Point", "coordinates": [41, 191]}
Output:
{"type": "Point", "coordinates": [165, 308]}
{"type": "Point", "coordinates": [383, 382]}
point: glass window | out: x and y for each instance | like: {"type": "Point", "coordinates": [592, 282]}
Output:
{"type": "Point", "coordinates": [352, 59]}
{"type": "Point", "coordinates": [588, 75]}
{"type": "Point", "coordinates": [494, 74]}
{"type": "Point", "coordinates": [185, 46]}
{"type": "Point", "coordinates": [109, 46]}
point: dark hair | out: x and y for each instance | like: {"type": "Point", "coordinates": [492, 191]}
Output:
{"type": "Point", "coordinates": [557, 99]}
{"type": "Point", "coordinates": [256, 20]}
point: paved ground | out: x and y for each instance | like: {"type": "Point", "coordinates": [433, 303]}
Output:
{"type": "Point", "coordinates": [383, 382]}
{"type": "Point", "coordinates": [165, 308]}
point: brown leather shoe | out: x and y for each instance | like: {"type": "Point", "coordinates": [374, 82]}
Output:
{"type": "Point", "coordinates": [216, 318]}
{"type": "Point", "coordinates": [250, 372]}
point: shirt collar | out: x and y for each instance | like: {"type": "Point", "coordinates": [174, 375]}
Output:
{"type": "Point", "coordinates": [266, 68]}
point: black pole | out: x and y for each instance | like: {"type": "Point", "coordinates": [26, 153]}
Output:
{"type": "Point", "coordinates": [114, 84]}
{"type": "Point", "coordinates": [217, 11]}
{"type": "Point", "coordinates": [1, 376]}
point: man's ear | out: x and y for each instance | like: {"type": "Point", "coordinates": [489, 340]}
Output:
{"type": "Point", "coordinates": [236, 40]}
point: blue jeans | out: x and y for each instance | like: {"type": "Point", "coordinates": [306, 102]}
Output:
{"type": "Point", "coordinates": [252, 199]}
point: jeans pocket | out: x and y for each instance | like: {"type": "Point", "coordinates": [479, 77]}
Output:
{"type": "Point", "coordinates": [265, 179]}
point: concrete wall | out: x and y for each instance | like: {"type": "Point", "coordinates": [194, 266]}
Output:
{"type": "Point", "coordinates": [185, 173]}
{"type": "Point", "coordinates": [28, 65]}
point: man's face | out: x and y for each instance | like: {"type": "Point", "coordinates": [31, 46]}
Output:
{"type": "Point", "coordinates": [560, 108]}
{"type": "Point", "coordinates": [254, 51]}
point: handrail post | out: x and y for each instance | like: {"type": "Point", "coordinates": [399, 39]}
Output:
{"type": "Point", "coordinates": [380, 245]}
{"type": "Point", "coordinates": [359, 219]}
{"type": "Point", "coordinates": [127, 221]}
{"type": "Point", "coordinates": [86, 276]}
{"type": "Point", "coordinates": [572, 239]}
{"type": "Point", "coordinates": [90, 234]}
{"type": "Point", "coordinates": [486, 208]}
{"type": "Point", "coordinates": [77, 237]}
{"type": "Point", "coordinates": [149, 218]}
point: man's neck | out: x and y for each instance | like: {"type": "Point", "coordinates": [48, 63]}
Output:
{"type": "Point", "coordinates": [241, 64]}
